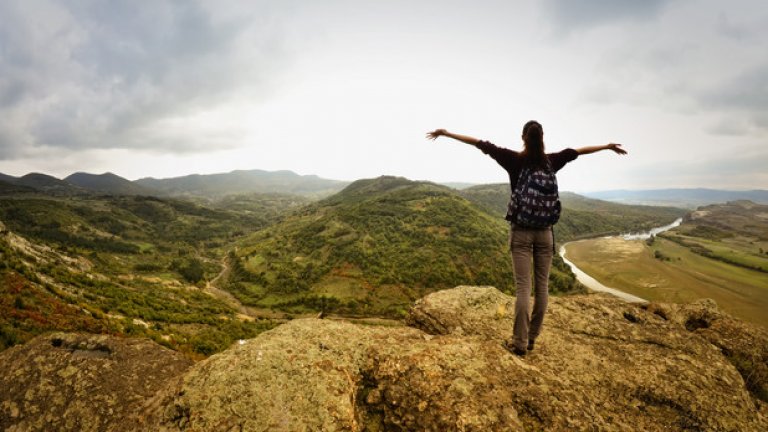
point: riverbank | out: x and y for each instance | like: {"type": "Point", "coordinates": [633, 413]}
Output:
{"type": "Point", "coordinates": [593, 284]}
{"type": "Point", "coordinates": [668, 272]}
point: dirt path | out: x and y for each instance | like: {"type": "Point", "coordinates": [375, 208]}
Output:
{"type": "Point", "coordinates": [213, 288]}
{"type": "Point", "coordinates": [246, 313]}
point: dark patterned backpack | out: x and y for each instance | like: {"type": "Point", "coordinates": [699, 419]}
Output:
{"type": "Point", "coordinates": [535, 202]}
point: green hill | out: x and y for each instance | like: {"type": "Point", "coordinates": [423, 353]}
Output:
{"type": "Point", "coordinates": [582, 217]}
{"type": "Point", "coordinates": [8, 179]}
{"type": "Point", "coordinates": [148, 266]}
{"type": "Point", "coordinates": [719, 252]}
{"type": "Point", "coordinates": [374, 247]}
{"type": "Point", "coordinates": [9, 188]}
{"type": "Point", "coordinates": [108, 183]}
{"type": "Point", "coordinates": [129, 265]}
{"type": "Point", "coordinates": [243, 182]}
{"type": "Point", "coordinates": [48, 184]}
{"type": "Point", "coordinates": [735, 233]}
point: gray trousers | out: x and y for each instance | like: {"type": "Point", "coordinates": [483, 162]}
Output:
{"type": "Point", "coordinates": [526, 244]}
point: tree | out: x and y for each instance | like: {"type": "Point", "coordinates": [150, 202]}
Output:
{"type": "Point", "coordinates": [192, 270]}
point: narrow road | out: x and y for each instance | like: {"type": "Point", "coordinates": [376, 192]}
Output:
{"type": "Point", "coordinates": [212, 288]}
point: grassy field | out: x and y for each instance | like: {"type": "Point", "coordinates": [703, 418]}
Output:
{"type": "Point", "coordinates": [669, 272]}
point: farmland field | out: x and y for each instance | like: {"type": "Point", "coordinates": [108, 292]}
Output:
{"type": "Point", "coordinates": [669, 272]}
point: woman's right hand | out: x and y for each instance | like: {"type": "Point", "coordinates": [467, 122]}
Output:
{"type": "Point", "coordinates": [436, 133]}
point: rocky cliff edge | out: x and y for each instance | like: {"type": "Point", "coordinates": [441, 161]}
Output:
{"type": "Point", "coordinates": [600, 364]}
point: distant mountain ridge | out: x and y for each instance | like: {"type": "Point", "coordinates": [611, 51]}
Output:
{"type": "Point", "coordinates": [11, 188]}
{"type": "Point", "coordinates": [47, 184]}
{"type": "Point", "coordinates": [690, 198]}
{"type": "Point", "coordinates": [8, 179]}
{"type": "Point", "coordinates": [211, 186]}
{"type": "Point", "coordinates": [108, 183]}
{"type": "Point", "coordinates": [238, 182]}
{"type": "Point", "coordinates": [244, 181]}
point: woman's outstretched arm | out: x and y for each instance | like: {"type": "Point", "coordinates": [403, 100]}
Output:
{"type": "Point", "coordinates": [442, 132]}
{"type": "Point", "coordinates": [592, 149]}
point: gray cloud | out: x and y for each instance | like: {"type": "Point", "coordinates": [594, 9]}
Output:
{"type": "Point", "coordinates": [747, 91]}
{"type": "Point", "coordinates": [570, 15]}
{"type": "Point", "coordinates": [696, 59]}
{"type": "Point", "coordinates": [100, 74]}
{"type": "Point", "coordinates": [733, 170]}
{"type": "Point", "coordinates": [742, 99]}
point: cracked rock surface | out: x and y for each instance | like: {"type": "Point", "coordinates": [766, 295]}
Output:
{"type": "Point", "coordinates": [80, 382]}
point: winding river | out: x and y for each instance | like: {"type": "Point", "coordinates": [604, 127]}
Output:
{"type": "Point", "coordinates": [595, 285]}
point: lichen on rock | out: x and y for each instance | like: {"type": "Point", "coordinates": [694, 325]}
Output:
{"type": "Point", "coordinates": [600, 364]}
{"type": "Point", "coordinates": [79, 382]}
{"type": "Point", "coordinates": [609, 365]}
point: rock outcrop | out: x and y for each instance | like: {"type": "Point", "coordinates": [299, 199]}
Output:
{"type": "Point", "coordinates": [76, 382]}
{"type": "Point", "coordinates": [604, 364]}
{"type": "Point", "coordinates": [601, 364]}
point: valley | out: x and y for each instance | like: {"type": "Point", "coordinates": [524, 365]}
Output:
{"type": "Point", "coordinates": [196, 273]}
{"type": "Point", "coordinates": [128, 265]}
{"type": "Point", "coordinates": [718, 252]}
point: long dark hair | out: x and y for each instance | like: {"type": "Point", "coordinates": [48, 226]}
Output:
{"type": "Point", "coordinates": [533, 143]}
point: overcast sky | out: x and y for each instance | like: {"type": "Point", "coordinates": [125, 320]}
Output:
{"type": "Point", "coordinates": [348, 89]}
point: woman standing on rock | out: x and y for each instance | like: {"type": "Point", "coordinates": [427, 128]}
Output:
{"type": "Point", "coordinates": [534, 208]}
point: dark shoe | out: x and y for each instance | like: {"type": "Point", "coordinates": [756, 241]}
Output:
{"type": "Point", "coordinates": [530, 345]}
{"type": "Point", "coordinates": [513, 349]}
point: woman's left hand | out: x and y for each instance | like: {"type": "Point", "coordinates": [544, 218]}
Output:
{"type": "Point", "coordinates": [616, 148]}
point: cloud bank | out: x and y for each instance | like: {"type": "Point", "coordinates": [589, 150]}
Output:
{"type": "Point", "coordinates": [85, 75]}
{"type": "Point", "coordinates": [346, 89]}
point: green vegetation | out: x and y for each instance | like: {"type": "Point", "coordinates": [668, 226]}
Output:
{"type": "Point", "coordinates": [26, 310]}
{"type": "Point", "coordinates": [375, 247]}
{"type": "Point", "coordinates": [582, 217]}
{"type": "Point", "coordinates": [735, 233]}
{"type": "Point", "coordinates": [659, 255]}
{"type": "Point", "coordinates": [120, 265]}
{"type": "Point", "coordinates": [215, 186]}
{"type": "Point", "coordinates": [145, 266]}
{"type": "Point", "coordinates": [681, 275]}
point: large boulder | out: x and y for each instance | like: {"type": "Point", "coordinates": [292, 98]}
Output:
{"type": "Point", "coordinates": [77, 382]}
{"type": "Point", "coordinates": [442, 384]}
{"type": "Point", "coordinates": [605, 364]}
{"type": "Point", "coordinates": [600, 364]}
{"type": "Point", "coordinates": [301, 376]}
{"type": "Point", "coordinates": [743, 344]}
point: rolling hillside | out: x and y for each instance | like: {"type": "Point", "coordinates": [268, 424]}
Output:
{"type": "Point", "coordinates": [720, 252]}
{"type": "Point", "coordinates": [108, 183]}
{"type": "Point", "coordinates": [206, 187]}
{"type": "Point", "coordinates": [121, 264]}
{"type": "Point", "coordinates": [373, 248]}
{"type": "Point", "coordinates": [582, 217]}
{"type": "Point", "coordinates": [140, 265]}
{"type": "Point", "coordinates": [10, 188]}
{"type": "Point", "coordinates": [735, 232]}
{"type": "Point", "coordinates": [48, 184]}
